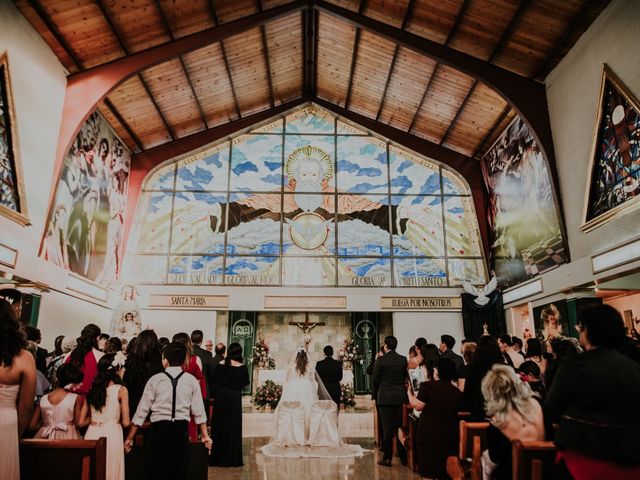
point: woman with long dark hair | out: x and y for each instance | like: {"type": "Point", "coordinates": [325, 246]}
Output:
{"type": "Point", "coordinates": [17, 389]}
{"type": "Point", "coordinates": [229, 379]}
{"type": "Point", "coordinates": [487, 355]}
{"type": "Point", "coordinates": [86, 357]}
{"type": "Point", "coordinates": [108, 401]}
{"type": "Point", "coordinates": [143, 362]}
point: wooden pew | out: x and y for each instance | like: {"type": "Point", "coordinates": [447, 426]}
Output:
{"type": "Point", "coordinates": [473, 440]}
{"type": "Point", "coordinates": [63, 459]}
{"type": "Point", "coordinates": [532, 460]}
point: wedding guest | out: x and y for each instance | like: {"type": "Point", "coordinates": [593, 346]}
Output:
{"type": "Point", "coordinates": [487, 355]}
{"type": "Point", "coordinates": [389, 375]}
{"type": "Point", "coordinates": [34, 335]}
{"type": "Point", "coordinates": [208, 345]}
{"type": "Point", "coordinates": [437, 434]}
{"type": "Point", "coordinates": [220, 352]}
{"type": "Point", "coordinates": [595, 397]}
{"type": "Point", "coordinates": [430, 358]}
{"type": "Point", "coordinates": [163, 341]}
{"type": "Point", "coordinates": [530, 373]}
{"type": "Point", "coordinates": [518, 345]}
{"type": "Point", "coordinates": [108, 402]}
{"type": "Point", "coordinates": [506, 347]}
{"type": "Point", "coordinates": [515, 414]}
{"type": "Point", "coordinates": [374, 396]}
{"type": "Point", "coordinates": [446, 351]}
{"type": "Point", "coordinates": [102, 341]}
{"type": "Point", "coordinates": [205, 358]}
{"type": "Point", "coordinates": [468, 352]}
{"type": "Point", "coordinates": [229, 379]}
{"type": "Point", "coordinates": [330, 372]}
{"type": "Point", "coordinates": [17, 390]}
{"type": "Point", "coordinates": [113, 345]}
{"type": "Point", "coordinates": [67, 344]}
{"type": "Point", "coordinates": [413, 352]}
{"type": "Point", "coordinates": [193, 366]}
{"type": "Point", "coordinates": [42, 384]}
{"type": "Point", "coordinates": [86, 357]}
{"type": "Point", "coordinates": [60, 413]}
{"type": "Point", "coordinates": [561, 348]}
{"type": "Point", "coordinates": [534, 354]}
{"type": "Point", "coordinates": [417, 360]}
{"type": "Point", "coordinates": [143, 362]}
{"type": "Point", "coordinates": [170, 397]}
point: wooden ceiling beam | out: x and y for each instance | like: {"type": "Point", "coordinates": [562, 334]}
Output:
{"type": "Point", "coordinates": [526, 96]}
{"type": "Point", "coordinates": [504, 38]}
{"type": "Point", "coordinates": [356, 43]}
{"type": "Point", "coordinates": [405, 20]}
{"type": "Point", "coordinates": [267, 61]}
{"type": "Point", "coordinates": [114, 111]}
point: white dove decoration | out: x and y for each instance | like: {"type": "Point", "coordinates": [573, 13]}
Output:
{"type": "Point", "coordinates": [481, 294]}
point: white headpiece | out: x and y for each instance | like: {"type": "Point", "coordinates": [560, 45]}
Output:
{"type": "Point", "coordinates": [118, 360]}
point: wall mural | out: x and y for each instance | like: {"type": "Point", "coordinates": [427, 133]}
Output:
{"type": "Point", "coordinates": [306, 200]}
{"type": "Point", "coordinates": [615, 175]}
{"type": "Point", "coordinates": [12, 202]}
{"type": "Point", "coordinates": [522, 215]}
{"type": "Point", "coordinates": [85, 226]}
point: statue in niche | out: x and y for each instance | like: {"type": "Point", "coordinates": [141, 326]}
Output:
{"type": "Point", "coordinates": [125, 321]}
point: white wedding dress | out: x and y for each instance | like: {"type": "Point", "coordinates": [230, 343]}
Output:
{"type": "Point", "coordinates": [307, 421]}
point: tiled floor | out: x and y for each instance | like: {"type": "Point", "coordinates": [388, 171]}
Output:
{"type": "Point", "coordinates": [356, 423]}
{"type": "Point", "coordinates": [258, 467]}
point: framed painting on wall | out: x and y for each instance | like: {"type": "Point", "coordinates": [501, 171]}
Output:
{"type": "Point", "coordinates": [12, 200]}
{"type": "Point", "coordinates": [551, 320]}
{"type": "Point", "coordinates": [614, 179]}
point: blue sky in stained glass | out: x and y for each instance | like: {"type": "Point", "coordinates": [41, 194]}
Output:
{"type": "Point", "coordinates": [453, 185]}
{"type": "Point", "coordinates": [375, 268]}
{"type": "Point", "coordinates": [256, 163]}
{"type": "Point", "coordinates": [162, 179]}
{"type": "Point", "coordinates": [263, 270]}
{"type": "Point", "coordinates": [208, 173]}
{"type": "Point", "coordinates": [418, 267]}
{"type": "Point", "coordinates": [362, 165]}
{"type": "Point", "coordinates": [410, 174]}
{"type": "Point", "coordinates": [195, 270]}
{"type": "Point", "coordinates": [191, 231]}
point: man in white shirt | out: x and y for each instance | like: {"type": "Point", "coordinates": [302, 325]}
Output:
{"type": "Point", "coordinates": [506, 347]}
{"type": "Point", "coordinates": [170, 397]}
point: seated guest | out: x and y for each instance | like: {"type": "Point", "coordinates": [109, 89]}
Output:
{"type": "Point", "coordinates": [60, 413]}
{"type": "Point", "coordinates": [437, 432]}
{"type": "Point", "coordinates": [170, 397]}
{"type": "Point", "coordinates": [468, 352]}
{"type": "Point", "coordinates": [417, 360]}
{"type": "Point", "coordinates": [446, 351]}
{"type": "Point", "coordinates": [506, 347]}
{"type": "Point", "coordinates": [102, 341]}
{"type": "Point", "coordinates": [412, 353]}
{"type": "Point", "coordinates": [86, 356]}
{"type": "Point", "coordinates": [113, 345]}
{"type": "Point", "coordinates": [515, 414]}
{"type": "Point", "coordinates": [143, 362]}
{"type": "Point", "coordinates": [487, 355]}
{"type": "Point", "coordinates": [595, 397]}
{"type": "Point", "coordinates": [517, 345]}
{"type": "Point", "coordinates": [429, 365]}
{"type": "Point", "coordinates": [530, 373]}
{"type": "Point", "coordinates": [534, 354]}
{"type": "Point", "coordinates": [561, 348]}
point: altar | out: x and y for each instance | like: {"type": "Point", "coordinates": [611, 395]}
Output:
{"type": "Point", "coordinates": [279, 376]}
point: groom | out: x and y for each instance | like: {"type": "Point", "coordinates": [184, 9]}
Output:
{"type": "Point", "coordinates": [330, 372]}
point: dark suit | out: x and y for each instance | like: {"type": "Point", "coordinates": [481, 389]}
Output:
{"type": "Point", "coordinates": [206, 358]}
{"type": "Point", "coordinates": [215, 361]}
{"type": "Point", "coordinates": [41, 359]}
{"type": "Point", "coordinates": [455, 358]}
{"type": "Point", "coordinates": [389, 375]}
{"type": "Point", "coordinates": [330, 372]}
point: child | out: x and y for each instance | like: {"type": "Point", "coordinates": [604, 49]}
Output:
{"type": "Point", "coordinates": [60, 413]}
{"type": "Point", "coordinates": [109, 403]}
{"type": "Point", "coordinates": [170, 397]}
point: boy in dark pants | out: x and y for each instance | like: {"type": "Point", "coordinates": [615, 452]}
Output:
{"type": "Point", "coordinates": [170, 397]}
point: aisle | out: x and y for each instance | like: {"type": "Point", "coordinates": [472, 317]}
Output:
{"type": "Point", "coordinates": [257, 467]}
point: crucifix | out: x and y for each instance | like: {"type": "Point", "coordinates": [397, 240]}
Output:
{"type": "Point", "coordinates": [306, 327]}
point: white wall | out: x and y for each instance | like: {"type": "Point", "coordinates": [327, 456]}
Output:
{"type": "Point", "coordinates": [407, 326]}
{"type": "Point", "coordinates": [167, 323]}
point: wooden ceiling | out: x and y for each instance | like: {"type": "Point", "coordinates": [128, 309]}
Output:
{"type": "Point", "coordinates": [310, 55]}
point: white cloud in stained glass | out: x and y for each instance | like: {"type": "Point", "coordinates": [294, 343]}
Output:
{"type": "Point", "coordinates": [362, 165]}
{"type": "Point", "coordinates": [419, 272]}
{"type": "Point", "coordinates": [151, 269]}
{"type": "Point", "coordinates": [207, 171]}
{"type": "Point", "coordinates": [154, 212]}
{"type": "Point", "coordinates": [412, 174]}
{"type": "Point", "coordinates": [420, 219]}
{"type": "Point", "coordinates": [368, 272]}
{"type": "Point", "coordinates": [195, 270]}
{"type": "Point", "coordinates": [256, 163]}
{"type": "Point", "coordinates": [191, 231]}
{"type": "Point", "coordinates": [463, 239]}
{"type": "Point", "coordinates": [366, 230]}
{"type": "Point", "coordinates": [272, 127]}
{"type": "Point", "coordinates": [309, 233]}
{"type": "Point", "coordinates": [347, 129]}
{"type": "Point", "coordinates": [470, 270]}
{"type": "Point", "coordinates": [453, 185]}
{"type": "Point", "coordinates": [261, 235]}
{"type": "Point", "coordinates": [161, 179]}
{"type": "Point", "coordinates": [252, 271]}
{"type": "Point", "coordinates": [310, 120]}
{"type": "Point", "coordinates": [308, 271]}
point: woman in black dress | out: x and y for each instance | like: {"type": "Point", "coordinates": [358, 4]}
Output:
{"type": "Point", "coordinates": [229, 378]}
{"type": "Point", "coordinates": [437, 433]}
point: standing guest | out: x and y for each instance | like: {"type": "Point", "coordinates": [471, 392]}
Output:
{"type": "Point", "coordinates": [446, 351]}
{"type": "Point", "coordinates": [143, 362]}
{"type": "Point", "coordinates": [193, 366]}
{"type": "Point", "coordinates": [163, 341]}
{"type": "Point", "coordinates": [34, 335]}
{"type": "Point", "coordinates": [60, 413]}
{"type": "Point", "coordinates": [102, 341]}
{"type": "Point", "coordinates": [86, 357]}
{"type": "Point", "coordinates": [171, 397]}
{"type": "Point", "coordinates": [487, 355]}
{"type": "Point", "coordinates": [113, 345]}
{"type": "Point", "coordinates": [205, 357]}
{"type": "Point", "coordinates": [534, 354]}
{"type": "Point", "coordinates": [515, 414]}
{"type": "Point", "coordinates": [389, 375]}
{"type": "Point", "coordinates": [229, 379]}
{"type": "Point", "coordinates": [42, 384]}
{"type": "Point", "coordinates": [17, 390]}
{"type": "Point", "coordinates": [57, 349]}
{"type": "Point", "coordinates": [67, 344]}
{"type": "Point", "coordinates": [437, 433]}
{"type": "Point", "coordinates": [330, 372]}
{"type": "Point", "coordinates": [108, 400]}
{"type": "Point", "coordinates": [417, 360]}
{"type": "Point", "coordinates": [595, 397]}
{"type": "Point", "coordinates": [468, 352]}
{"type": "Point", "coordinates": [561, 348]}
{"type": "Point", "coordinates": [220, 353]}
{"type": "Point", "coordinates": [208, 345]}
{"type": "Point", "coordinates": [518, 345]}
{"type": "Point", "coordinates": [374, 397]}
{"type": "Point", "coordinates": [430, 358]}
{"type": "Point", "coordinates": [413, 352]}
{"type": "Point", "coordinates": [510, 355]}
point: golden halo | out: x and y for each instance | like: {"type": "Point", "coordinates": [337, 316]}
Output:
{"type": "Point", "coordinates": [309, 152]}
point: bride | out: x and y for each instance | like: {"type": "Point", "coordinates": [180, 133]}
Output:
{"type": "Point", "coordinates": [306, 417]}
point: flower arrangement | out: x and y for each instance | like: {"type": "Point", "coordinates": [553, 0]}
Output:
{"type": "Point", "coordinates": [350, 352]}
{"type": "Point", "coordinates": [347, 395]}
{"type": "Point", "coordinates": [261, 356]}
{"type": "Point", "coordinates": [267, 394]}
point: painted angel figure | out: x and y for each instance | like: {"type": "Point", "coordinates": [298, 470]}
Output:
{"type": "Point", "coordinates": [125, 321]}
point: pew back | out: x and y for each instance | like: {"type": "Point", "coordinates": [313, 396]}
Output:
{"type": "Point", "coordinates": [469, 431]}
{"type": "Point", "coordinates": [532, 460]}
{"type": "Point", "coordinates": [63, 459]}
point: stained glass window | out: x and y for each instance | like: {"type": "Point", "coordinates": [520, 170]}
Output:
{"type": "Point", "coordinates": [306, 200]}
